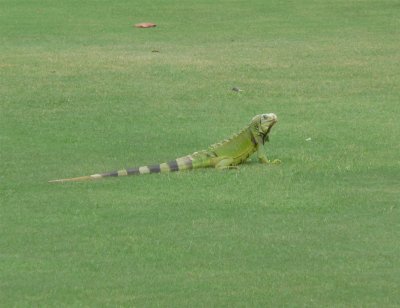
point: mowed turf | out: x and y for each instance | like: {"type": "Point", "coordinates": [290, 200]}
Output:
{"type": "Point", "coordinates": [82, 91]}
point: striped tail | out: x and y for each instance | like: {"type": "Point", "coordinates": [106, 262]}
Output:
{"type": "Point", "coordinates": [182, 163]}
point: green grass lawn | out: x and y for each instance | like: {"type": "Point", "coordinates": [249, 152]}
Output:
{"type": "Point", "coordinates": [82, 91]}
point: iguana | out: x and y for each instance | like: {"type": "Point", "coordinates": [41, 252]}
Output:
{"type": "Point", "coordinates": [223, 155]}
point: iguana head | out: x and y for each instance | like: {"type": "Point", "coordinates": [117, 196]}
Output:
{"type": "Point", "coordinates": [263, 124]}
{"type": "Point", "coordinates": [267, 120]}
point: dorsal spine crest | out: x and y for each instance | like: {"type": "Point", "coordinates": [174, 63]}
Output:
{"type": "Point", "coordinates": [223, 142]}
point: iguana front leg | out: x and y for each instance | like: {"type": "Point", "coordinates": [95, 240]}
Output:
{"type": "Point", "coordinates": [262, 157]}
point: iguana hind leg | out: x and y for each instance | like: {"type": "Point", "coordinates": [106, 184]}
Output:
{"type": "Point", "coordinates": [225, 163]}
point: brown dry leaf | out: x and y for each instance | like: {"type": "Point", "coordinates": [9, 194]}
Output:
{"type": "Point", "coordinates": [145, 25]}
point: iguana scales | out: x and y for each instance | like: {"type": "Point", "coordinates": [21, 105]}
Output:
{"type": "Point", "coordinates": [222, 155]}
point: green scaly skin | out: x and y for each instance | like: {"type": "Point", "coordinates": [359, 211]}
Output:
{"type": "Point", "coordinates": [224, 155]}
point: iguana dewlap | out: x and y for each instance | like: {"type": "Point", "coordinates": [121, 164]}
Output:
{"type": "Point", "coordinates": [226, 154]}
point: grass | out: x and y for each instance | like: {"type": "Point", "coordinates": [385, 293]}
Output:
{"type": "Point", "coordinates": [82, 92]}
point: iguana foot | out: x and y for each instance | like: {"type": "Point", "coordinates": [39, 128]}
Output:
{"type": "Point", "coordinates": [267, 161]}
{"type": "Point", "coordinates": [227, 167]}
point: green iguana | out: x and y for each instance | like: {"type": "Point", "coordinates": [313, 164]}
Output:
{"type": "Point", "coordinates": [223, 155]}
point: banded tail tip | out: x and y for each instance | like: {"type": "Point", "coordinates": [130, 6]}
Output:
{"type": "Point", "coordinates": [78, 179]}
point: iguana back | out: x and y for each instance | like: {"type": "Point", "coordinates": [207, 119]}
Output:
{"type": "Point", "coordinates": [240, 146]}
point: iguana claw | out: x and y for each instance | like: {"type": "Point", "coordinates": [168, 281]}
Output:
{"type": "Point", "coordinates": [267, 161]}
